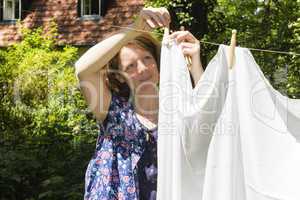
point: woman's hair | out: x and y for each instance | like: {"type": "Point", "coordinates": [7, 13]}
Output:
{"type": "Point", "coordinates": [146, 42]}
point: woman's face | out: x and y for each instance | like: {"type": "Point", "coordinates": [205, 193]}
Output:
{"type": "Point", "coordinates": [139, 66]}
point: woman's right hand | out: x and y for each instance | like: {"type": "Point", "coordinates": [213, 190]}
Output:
{"type": "Point", "coordinates": [150, 18]}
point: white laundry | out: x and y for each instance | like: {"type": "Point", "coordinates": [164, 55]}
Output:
{"type": "Point", "coordinates": [232, 137]}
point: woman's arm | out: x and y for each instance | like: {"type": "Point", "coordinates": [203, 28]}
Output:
{"type": "Point", "coordinates": [91, 79]}
{"type": "Point", "coordinates": [97, 56]}
{"type": "Point", "coordinates": [88, 67]}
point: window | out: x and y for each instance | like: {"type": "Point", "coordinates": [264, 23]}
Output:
{"type": "Point", "coordinates": [90, 7]}
{"type": "Point", "coordinates": [93, 9]}
{"type": "Point", "coordinates": [10, 9]}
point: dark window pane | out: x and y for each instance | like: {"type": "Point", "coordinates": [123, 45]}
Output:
{"type": "Point", "coordinates": [1, 10]}
{"type": "Point", "coordinates": [104, 6]}
{"type": "Point", "coordinates": [95, 7]}
{"type": "Point", "coordinates": [17, 9]}
{"type": "Point", "coordinates": [79, 8]}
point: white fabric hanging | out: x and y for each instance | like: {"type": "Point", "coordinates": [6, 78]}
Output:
{"type": "Point", "coordinates": [232, 137]}
{"type": "Point", "coordinates": [182, 145]}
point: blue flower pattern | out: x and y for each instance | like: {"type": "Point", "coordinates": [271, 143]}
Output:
{"type": "Point", "coordinates": [124, 165]}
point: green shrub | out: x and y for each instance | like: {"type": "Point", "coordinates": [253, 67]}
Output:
{"type": "Point", "coordinates": [47, 134]}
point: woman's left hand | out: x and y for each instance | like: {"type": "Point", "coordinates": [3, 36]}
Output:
{"type": "Point", "coordinates": [189, 45]}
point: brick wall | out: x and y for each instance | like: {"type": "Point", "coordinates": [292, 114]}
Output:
{"type": "Point", "coordinates": [71, 28]}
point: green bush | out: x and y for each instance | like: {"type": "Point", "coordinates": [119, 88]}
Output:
{"type": "Point", "coordinates": [47, 135]}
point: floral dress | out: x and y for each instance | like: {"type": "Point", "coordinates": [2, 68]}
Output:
{"type": "Point", "coordinates": [124, 165]}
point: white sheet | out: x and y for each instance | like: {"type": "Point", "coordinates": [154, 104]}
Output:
{"type": "Point", "coordinates": [232, 137]}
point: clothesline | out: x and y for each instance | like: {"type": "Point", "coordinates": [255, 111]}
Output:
{"type": "Point", "coordinates": [217, 44]}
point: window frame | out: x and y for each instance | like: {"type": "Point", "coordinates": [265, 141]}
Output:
{"type": "Point", "coordinates": [5, 12]}
{"type": "Point", "coordinates": [89, 16]}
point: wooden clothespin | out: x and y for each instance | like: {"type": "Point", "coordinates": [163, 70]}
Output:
{"type": "Point", "coordinates": [232, 49]}
{"type": "Point", "coordinates": [166, 41]}
{"type": "Point", "coordinates": [187, 58]}
{"type": "Point", "coordinates": [166, 31]}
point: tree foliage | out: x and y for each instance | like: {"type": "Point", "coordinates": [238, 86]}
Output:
{"type": "Point", "coordinates": [46, 135]}
{"type": "Point", "coordinates": [262, 24]}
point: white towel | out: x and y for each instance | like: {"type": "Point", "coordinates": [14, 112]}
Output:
{"type": "Point", "coordinates": [232, 137]}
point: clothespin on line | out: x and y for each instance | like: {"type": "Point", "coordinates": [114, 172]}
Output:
{"type": "Point", "coordinates": [232, 49]}
{"type": "Point", "coordinates": [166, 41]}
{"type": "Point", "coordinates": [166, 32]}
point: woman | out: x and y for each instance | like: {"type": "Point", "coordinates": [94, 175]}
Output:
{"type": "Point", "coordinates": [119, 78]}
